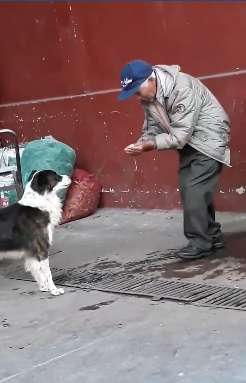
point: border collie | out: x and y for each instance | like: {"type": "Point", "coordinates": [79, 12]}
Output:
{"type": "Point", "coordinates": [26, 228]}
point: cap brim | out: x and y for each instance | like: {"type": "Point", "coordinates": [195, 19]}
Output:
{"type": "Point", "coordinates": [126, 93]}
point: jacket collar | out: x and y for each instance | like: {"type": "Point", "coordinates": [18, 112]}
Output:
{"type": "Point", "coordinates": [159, 90]}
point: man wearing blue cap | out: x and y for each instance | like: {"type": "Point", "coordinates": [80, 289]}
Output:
{"type": "Point", "coordinates": [182, 114]}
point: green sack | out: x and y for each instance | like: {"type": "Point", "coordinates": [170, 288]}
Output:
{"type": "Point", "coordinates": [47, 154]}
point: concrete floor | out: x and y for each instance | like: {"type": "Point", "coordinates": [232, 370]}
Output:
{"type": "Point", "coordinates": [94, 337]}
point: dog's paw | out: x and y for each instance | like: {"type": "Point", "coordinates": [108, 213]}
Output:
{"type": "Point", "coordinates": [57, 291]}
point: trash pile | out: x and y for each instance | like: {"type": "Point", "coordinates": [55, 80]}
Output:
{"type": "Point", "coordinates": [83, 196]}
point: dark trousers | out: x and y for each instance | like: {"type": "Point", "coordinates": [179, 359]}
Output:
{"type": "Point", "coordinates": [198, 177]}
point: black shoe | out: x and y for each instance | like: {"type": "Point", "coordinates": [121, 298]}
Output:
{"type": "Point", "coordinates": [191, 253]}
{"type": "Point", "coordinates": [218, 243]}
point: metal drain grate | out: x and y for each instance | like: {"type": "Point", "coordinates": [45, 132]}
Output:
{"type": "Point", "coordinates": [195, 293]}
{"type": "Point", "coordinates": [232, 298]}
{"type": "Point", "coordinates": [74, 277]}
{"type": "Point", "coordinates": [199, 294]}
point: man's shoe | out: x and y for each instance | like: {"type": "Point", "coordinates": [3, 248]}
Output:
{"type": "Point", "coordinates": [192, 253]}
{"type": "Point", "coordinates": [218, 244]}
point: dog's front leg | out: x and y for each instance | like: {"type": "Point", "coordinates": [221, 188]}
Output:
{"type": "Point", "coordinates": [49, 284]}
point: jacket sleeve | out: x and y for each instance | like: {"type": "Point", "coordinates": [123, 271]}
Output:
{"type": "Point", "coordinates": [150, 127]}
{"type": "Point", "coordinates": [183, 118]}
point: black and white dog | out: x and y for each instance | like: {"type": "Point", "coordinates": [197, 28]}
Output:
{"type": "Point", "coordinates": [26, 228]}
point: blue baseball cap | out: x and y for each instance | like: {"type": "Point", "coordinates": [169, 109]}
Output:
{"type": "Point", "coordinates": [133, 74]}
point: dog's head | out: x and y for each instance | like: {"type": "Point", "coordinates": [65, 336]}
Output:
{"type": "Point", "coordinates": [47, 181]}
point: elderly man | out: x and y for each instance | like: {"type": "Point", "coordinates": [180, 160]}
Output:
{"type": "Point", "coordinates": [182, 114]}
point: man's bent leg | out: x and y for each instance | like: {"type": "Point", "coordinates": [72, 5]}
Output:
{"type": "Point", "coordinates": [198, 179]}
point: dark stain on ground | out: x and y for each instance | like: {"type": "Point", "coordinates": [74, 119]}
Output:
{"type": "Point", "coordinates": [227, 261]}
{"type": "Point", "coordinates": [102, 265]}
{"type": "Point", "coordinates": [28, 293]}
{"type": "Point", "coordinates": [16, 347]}
{"type": "Point", "coordinates": [96, 306]}
{"type": "Point", "coordinates": [5, 323]}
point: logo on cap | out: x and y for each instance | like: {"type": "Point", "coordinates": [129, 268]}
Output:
{"type": "Point", "coordinates": [126, 82]}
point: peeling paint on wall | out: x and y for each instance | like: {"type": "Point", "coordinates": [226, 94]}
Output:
{"type": "Point", "coordinates": [240, 190]}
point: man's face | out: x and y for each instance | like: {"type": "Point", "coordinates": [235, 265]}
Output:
{"type": "Point", "coordinates": [147, 90]}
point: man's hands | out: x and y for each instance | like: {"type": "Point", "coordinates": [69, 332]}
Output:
{"type": "Point", "coordinates": [140, 147]}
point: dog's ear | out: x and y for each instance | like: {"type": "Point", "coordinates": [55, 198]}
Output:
{"type": "Point", "coordinates": [31, 175]}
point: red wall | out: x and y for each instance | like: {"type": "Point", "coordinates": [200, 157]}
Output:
{"type": "Point", "coordinates": [54, 54]}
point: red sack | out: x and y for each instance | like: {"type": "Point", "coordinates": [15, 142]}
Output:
{"type": "Point", "coordinates": [82, 197]}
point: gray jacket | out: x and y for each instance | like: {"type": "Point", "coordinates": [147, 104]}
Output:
{"type": "Point", "coordinates": [194, 115]}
